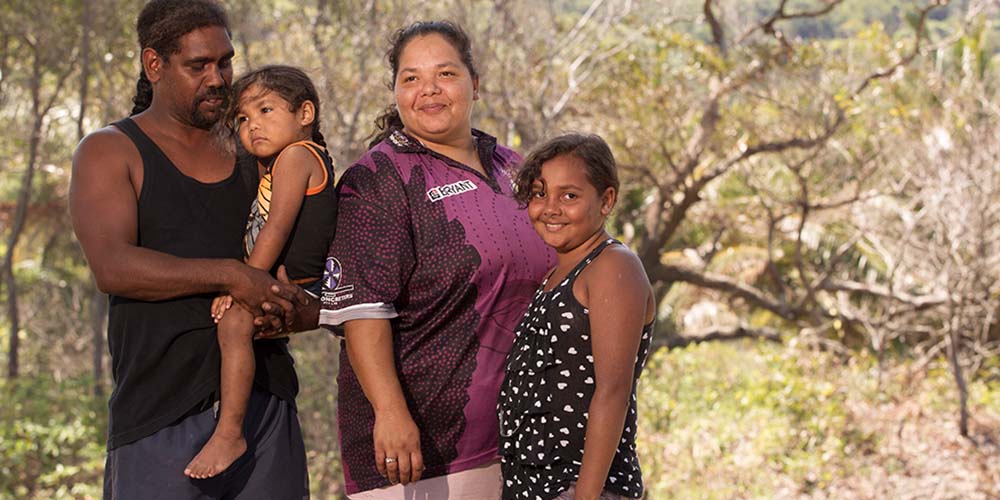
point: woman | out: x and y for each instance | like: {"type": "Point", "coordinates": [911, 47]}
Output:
{"type": "Point", "coordinates": [430, 270]}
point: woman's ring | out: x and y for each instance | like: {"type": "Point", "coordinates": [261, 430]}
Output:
{"type": "Point", "coordinates": [390, 460]}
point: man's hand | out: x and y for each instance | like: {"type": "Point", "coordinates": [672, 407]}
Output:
{"type": "Point", "coordinates": [252, 288]}
{"type": "Point", "coordinates": [299, 311]}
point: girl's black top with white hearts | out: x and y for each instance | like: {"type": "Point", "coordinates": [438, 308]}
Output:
{"type": "Point", "coordinates": [545, 398]}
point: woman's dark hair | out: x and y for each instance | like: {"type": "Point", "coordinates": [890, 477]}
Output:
{"type": "Point", "coordinates": [161, 25]}
{"type": "Point", "coordinates": [590, 149]}
{"type": "Point", "coordinates": [292, 84]}
{"type": "Point", "coordinates": [389, 120]}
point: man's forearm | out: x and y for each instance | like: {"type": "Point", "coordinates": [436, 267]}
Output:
{"type": "Point", "coordinates": [144, 274]}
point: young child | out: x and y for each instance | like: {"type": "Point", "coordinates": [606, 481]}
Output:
{"type": "Point", "coordinates": [292, 221]}
{"type": "Point", "coordinates": [567, 406]}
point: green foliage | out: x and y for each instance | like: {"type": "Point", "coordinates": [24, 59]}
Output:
{"type": "Point", "coordinates": [51, 439]}
{"type": "Point", "coordinates": [742, 420]}
{"type": "Point", "coordinates": [315, 364]}
{"type": "Point", "coordinates": [972, 53]}
{"type": "Point", "coordinates": [759, 420]}
{"type": "Point", "coordinates": [984, 389]}
{"type": "Point", "coordinates": [734, 420]}
{"type": "Point", "coordinates": [986, 386]}
{"type": "Point", "coordinates": [716, 421]}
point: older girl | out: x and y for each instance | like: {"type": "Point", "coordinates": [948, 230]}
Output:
{"type": "Point", "coordinates": [567, 405]}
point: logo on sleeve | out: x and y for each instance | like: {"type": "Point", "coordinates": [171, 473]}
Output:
{"type": "Point", "coordinates": [332, 274]}
{"type": "Point", "coordinates": [456, 188]}
{"type": "Point", "coordinates": [333, 291]}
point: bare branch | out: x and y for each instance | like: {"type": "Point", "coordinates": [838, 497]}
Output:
{"type": "Point", "coordinates": [589, 58]}
{"type": "Point", "coordinates": [907, 59]}
{"type": "Point", "coordinates": [768, 24]}
{"type": "Point", "coordinates": [723, 334]}
{"type": "Point", "coordinates": [918, 302]}
{"type": "Point", "coordinates": [573, 37]}
{"type": "Point", "coordinates": [673, 273]}
{"type": "Point", "coordinates": [718, 35]}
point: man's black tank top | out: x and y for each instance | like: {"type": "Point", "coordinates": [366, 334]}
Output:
{"type": "Point", "coordinates": [164, 354]}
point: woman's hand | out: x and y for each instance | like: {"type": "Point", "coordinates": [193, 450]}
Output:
{"type": "Point", "coordinates": [396, 437]}
{"type": "Point", "coordinates": [397, 447]}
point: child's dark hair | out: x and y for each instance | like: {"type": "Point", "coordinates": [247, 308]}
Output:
{"type": "Point", "coordinates": [590, 149]}
{"type": "Point", "coordinates": [389, 120]}
{"type": "Point", "coordinates": [161, 25]}
{"type": "Point", "coordinates": [290, 83]}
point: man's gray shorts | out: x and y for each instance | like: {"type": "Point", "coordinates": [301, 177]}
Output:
{"type": "Point", "coordinates": [274, 466]}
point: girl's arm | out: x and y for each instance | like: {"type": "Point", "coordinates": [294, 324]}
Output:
{"type": "Point", "coordinates": [617, 292]}
{"type": "Point", "coordinates": [289, 180]}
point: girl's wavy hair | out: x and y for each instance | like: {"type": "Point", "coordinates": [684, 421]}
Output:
{"type": "Point", "coordinates": [290, 83]}
{"type": "Point", "coordinates": [590, 149]}
{"type": "Point", "coordinates": [161, 25]}
{"type": "Point", "coordinates": [389, 120]}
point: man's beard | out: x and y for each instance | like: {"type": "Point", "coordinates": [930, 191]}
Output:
{"type": "Point", "coordinates": [207, 121]}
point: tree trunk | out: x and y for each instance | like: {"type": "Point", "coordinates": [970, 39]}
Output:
{"type": "Point", "coordinates": [21, 215]}
{"type": "Point", "coordinates": [963, 391]}
{"type": "Point", "coordinates": [86, 25]}
{"type": "Point", "coordinates": [15, 326]}
{"type": "Point", "coordinates": [4, 68]}
{"type": "Point", "coordinates": [954, 344]}
{"type": "Point", "coordinates": [17, 227]}
{"type": "Point", "coordinates": [98, 300]}
{"type": "Point", "coordinates": [98, 325]}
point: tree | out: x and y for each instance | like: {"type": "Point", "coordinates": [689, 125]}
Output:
{"type": "Point", "coordinates": [742, 107]}
{"type": "Point", "coordinates": [46, 69]}
{"type": "Point", "coordinates": [940, 230]}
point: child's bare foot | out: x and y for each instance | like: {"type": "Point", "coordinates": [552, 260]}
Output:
{"type": "Point", "coordinates": [218, 454]}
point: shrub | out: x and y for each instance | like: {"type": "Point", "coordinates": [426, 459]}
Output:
{"type": "Point", "coordinates": [51, 439]}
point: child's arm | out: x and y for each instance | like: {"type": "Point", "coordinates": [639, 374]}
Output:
{"type": "Point", "coordinates": [290, 177]}
{"type": "Point", "coordinates": [617, 292]}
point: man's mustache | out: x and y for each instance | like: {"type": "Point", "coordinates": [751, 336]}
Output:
{"type": "Point", "coordinates": [219, 93]}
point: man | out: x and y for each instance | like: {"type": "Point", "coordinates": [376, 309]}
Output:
{"type": "Point", "coordinates": [159, 209]}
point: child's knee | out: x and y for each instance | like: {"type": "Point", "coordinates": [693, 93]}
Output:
{"type": "Point", "coordinates": [236, 324]}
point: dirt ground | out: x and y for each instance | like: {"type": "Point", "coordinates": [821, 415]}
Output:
{"type": "Point", "coordinates": [921, 455]}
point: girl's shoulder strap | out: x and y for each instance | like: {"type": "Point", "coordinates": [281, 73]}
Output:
{"type": "Point", "coordinates": [584, 262]}
{"type": "Point", "coordinates": [318, 152]}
